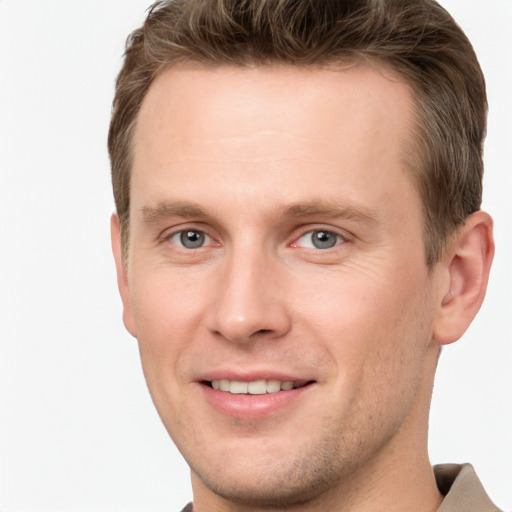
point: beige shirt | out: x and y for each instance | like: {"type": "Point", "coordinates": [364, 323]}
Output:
{"type": "Point", "coordinates": [459, 484]}
{"type": "Point", "coordinates": [462, 490]}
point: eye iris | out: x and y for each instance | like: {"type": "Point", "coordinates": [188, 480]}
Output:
{"type": "Point", "coordinates": [323, 239]}
{"type": "Point", "coordinates": [192, 239]}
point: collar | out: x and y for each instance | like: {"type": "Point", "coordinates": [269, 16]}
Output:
{"type": "Point", "coordinates": [462, 489]}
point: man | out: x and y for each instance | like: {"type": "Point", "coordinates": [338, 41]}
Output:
{"type": "Point", "coordinates": [298, 233]}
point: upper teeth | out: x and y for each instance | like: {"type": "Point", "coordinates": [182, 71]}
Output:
{"type": "Point", "coordinates": [256, 387]}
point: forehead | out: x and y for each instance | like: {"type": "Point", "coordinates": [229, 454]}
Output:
{"type": "Point", "coordinates": [303, 101]}
{"type": "Point", "coordinates": [294, 128]}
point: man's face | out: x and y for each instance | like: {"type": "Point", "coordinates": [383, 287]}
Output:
{"type": "Point", "coordinates": [276, 242]}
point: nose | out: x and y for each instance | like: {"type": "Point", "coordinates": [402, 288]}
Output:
{"type": "Point", "coordinates": [249, 301]}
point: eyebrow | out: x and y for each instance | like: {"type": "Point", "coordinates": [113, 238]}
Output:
{"type": "Point", "coordinates": [324, 208]}
{"type": "Point", "coordinates": [332, 209]}
{"type": "Point", "coordinates": [166, 209]}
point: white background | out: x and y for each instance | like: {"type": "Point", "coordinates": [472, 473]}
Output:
{"type": "Point", "coordinates": [77, 428]}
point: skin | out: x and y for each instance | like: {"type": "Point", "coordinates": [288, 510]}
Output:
{"type": "Point", "coordinates": [257, 159]}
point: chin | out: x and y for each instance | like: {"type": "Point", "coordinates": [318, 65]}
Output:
{"type": "Point", "coordinates": [267, 476]}
{"type": "Point", "coordinates": [266, 488]}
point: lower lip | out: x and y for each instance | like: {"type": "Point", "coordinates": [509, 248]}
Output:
{"type": "Point", "coordinates": [252, 406]}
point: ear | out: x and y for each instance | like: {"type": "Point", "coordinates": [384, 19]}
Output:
{"type": "Point", "coordinates": [466, 264]}
{"type": "Point", "coordinates": [122, 274]}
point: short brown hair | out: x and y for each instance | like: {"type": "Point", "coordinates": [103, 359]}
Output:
{"type": "Point", "coordinates": [416, 38]}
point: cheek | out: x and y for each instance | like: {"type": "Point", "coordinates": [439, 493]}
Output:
{"type": "Point", "coordinates": [167, 315]}
{"type": "Point", "coordinates": [376, 336]}
{"type": "Point", "coordinates": [163, 316]}
{"type": "Point", "coordinates": [368, 325]}
{"type": "Point", "coordinates": [166, 302]}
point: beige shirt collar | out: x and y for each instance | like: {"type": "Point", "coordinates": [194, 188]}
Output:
{"type": "Point", "coordinates": [462, 489]}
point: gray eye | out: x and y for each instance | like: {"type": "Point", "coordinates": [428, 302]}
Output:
{"type": "Point", "coordinates": [192, 239]}
{"type": "Point", "coordinates": [324, 239]}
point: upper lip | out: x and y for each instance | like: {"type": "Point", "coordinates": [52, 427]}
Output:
{"type": "Point", "coordinates": [251, 376]}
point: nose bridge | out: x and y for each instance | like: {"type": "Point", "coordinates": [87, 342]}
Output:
{"type": "Point", "coordinates": [248, 302]}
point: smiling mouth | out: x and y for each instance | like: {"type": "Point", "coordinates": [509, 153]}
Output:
{"type": "Point", "coordinates": [256, 387]}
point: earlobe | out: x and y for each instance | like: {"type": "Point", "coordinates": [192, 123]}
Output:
{"type": "Point", "coordinates": [467, 262]}
{"type": "Point", "coordinates": [122, 274]}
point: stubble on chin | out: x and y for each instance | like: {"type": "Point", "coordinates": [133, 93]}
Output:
{"type": "Point", "coordinates": [315, 472]}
